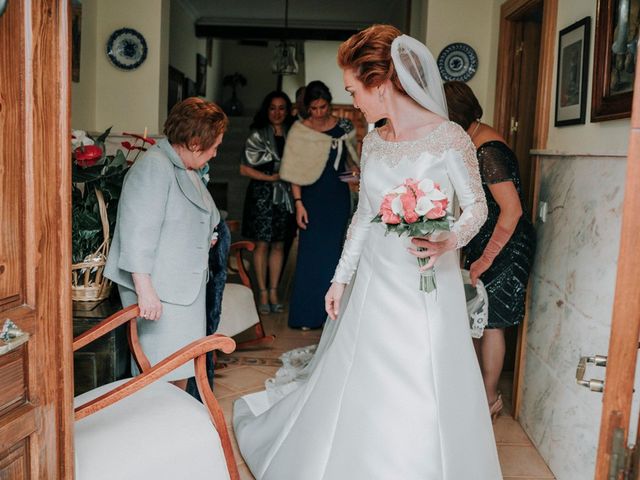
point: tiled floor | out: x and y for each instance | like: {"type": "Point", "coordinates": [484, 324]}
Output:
{"type": "Point", "coordinates": [519, 458]}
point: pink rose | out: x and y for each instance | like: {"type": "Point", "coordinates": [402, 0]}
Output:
{"type": "Point", "coordinates": [439, 210]}
{"type": "Point", "coordinates": [442, 203]}
{"type": "Point", "coordinates": [409, 207]}
{"type": "Point", "coordinates": [385, 211]}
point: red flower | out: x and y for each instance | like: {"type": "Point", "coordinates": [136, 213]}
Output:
{"type": "Point", "coordinates": [150, 141]}
{"type": "Point", "coordinates": [87, 155]}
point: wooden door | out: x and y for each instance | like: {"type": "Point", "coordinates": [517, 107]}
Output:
{"type": "Point", "coordinates": [36, 386]}
{"type": "Point", "coordinates": [523, 95]}
{"type": "Point", "coordinates": [625, 328]}
{"type": "Point", "coordinates": [515, 119]}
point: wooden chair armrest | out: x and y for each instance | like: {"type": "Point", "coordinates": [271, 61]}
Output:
{"type": "Point", "coordinates": [182, 356]}
{"type": "Point", "coordinates": [128, 314]}
{"type": "Point", "coordinates": [105, 326]}
{"type": "Point", "coordinates": [236, 250]}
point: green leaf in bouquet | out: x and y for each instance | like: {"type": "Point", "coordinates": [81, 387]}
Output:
{"type": "Point", "coordinates": [420, 230]}
{"type": "Point", "coordinates": [377, 219]}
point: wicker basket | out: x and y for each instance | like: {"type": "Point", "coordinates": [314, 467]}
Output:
{"type": "Point", "coordinates": [87, 282]}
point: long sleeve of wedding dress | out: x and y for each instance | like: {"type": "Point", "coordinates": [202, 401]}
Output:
{"type": "Point", "coordinates": [357, 232]}
{"type": "Point", "coordinates": [463, 171]}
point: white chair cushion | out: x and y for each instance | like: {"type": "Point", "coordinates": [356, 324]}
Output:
{"type": "Point", "coordinates": [238, 310]}
{"type": "Point", "coordinates": [159, 432]}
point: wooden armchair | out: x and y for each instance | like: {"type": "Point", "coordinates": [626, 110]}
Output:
{"type": "Point", "coordinates": [239, 311]}
{"type": "Point", "coordinates": [145, 428]}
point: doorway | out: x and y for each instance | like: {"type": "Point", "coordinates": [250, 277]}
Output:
{"type": "Point", "coordinates": [523, 99]}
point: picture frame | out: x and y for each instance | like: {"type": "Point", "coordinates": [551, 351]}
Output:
{"type": "Point", "coordinates": [201, 75]}
{"type": "Point", "coordinates": [572, 73]}
{"type": "Point", "coordinates": [614, 62]}
{"type": "Point", "coordinates": [190, 89]}
{"type": "Point", "coordinates": [176, 87]}
{"type": "Point", "coordinates": [76, 36]}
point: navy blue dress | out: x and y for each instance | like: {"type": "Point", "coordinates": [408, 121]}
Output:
{"type": "Point", "coordinates": [328, 205]}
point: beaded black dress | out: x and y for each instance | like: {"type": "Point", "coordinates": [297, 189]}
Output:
{"type": "Point", "coordinates": [506, 279]}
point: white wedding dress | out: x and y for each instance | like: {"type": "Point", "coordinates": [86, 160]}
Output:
{"type": "Point", "coordinates": [394, 390]}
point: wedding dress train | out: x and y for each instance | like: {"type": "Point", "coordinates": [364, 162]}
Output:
{"type": "Point", "coordinates": [394, 390]}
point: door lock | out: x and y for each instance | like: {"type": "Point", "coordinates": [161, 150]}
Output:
{"type": "Point", "coordinates": [594, 385]}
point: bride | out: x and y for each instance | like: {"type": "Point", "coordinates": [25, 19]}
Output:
{"type": "Point", "coordinates": [394, 390]}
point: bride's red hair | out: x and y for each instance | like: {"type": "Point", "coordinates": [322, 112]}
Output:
{"type": "Point", "coordinates": [368, 54]}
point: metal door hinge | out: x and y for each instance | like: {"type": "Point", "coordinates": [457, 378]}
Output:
{"type": "Point", "coordinates": [520, 48]}
{"type": "Point", "coordinates": [594, 385]}
{"type": "Point", "coordinates": [622, 457]}
{"type": "Point", "coordinates": [514, 125]}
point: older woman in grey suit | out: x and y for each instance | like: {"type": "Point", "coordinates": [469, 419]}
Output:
{"type": "Point", "coordinates": [165, 226]}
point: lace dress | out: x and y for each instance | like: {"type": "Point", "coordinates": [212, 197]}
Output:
{"type": "Point", "coordinates": [506, 280]}
{"type": "Point", "coordinates": [394, 390]}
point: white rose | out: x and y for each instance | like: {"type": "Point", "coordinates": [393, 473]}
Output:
{"type": "Point", "coordinates": [426, 185]}
{"type": "Point", "coordinates": [423, 205]}
{"type": "Point", "coordinates": [396, 206]}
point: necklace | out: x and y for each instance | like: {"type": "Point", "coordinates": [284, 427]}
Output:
{"type": "Point", "coordinates": [475, 130]}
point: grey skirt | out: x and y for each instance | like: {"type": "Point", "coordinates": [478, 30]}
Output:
{"type": "Point", "coordinates": [178, 326]}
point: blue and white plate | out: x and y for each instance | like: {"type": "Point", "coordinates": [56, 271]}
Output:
{"type": "Point", "coordinates": [127, 48]}
{"type": "Point", "coordinates": [457, 61]}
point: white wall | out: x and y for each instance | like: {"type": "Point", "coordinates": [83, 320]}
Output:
{"type": "Point", "coordinates": [131, 100]}
{"type": "Point", "coordinates": [474, 22]}
{"type": "Point", "coordinates": [321, 64]}
{"type": "Point", "coordinates": [83, 93]}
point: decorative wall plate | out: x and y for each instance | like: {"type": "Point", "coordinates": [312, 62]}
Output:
{"type": "Point", "coordinates": [127, 48]}
{"type": "Point", "coordinates": [457, 61]}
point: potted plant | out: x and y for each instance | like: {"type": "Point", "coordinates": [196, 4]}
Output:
{"type": "Point", "coordinates": [96, 185]}
{"type": "Point", "coordinates": [233, 106]}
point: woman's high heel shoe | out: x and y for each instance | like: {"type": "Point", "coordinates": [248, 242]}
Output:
{"type": "Point", "coordinates": [495, 408]}
{"type": "Point", "coordinates": [264, 308]}
{"type": "Point", "coordinates": [276, 307]}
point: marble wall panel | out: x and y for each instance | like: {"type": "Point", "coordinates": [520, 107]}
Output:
{"type": "Point", "coordinates": [572, 291]}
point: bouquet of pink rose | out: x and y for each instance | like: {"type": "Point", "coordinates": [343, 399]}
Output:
{"type": "Point", "coordinates": [417, 208]}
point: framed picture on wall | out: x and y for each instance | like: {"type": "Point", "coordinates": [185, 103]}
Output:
{"type": "Point", "coordinates": [201, 75]}
{"type": "Point", "coordinates": [573, 67]}
{"type": "Point", "coordinates": [189, 88]}
{"type": "Point", "coordinates": [176, 87]}
{"type": "Point", "coordinates": [614, 58]}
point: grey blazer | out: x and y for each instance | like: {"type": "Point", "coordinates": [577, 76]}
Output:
{"type": "Point", "coordinates": [163, 227]}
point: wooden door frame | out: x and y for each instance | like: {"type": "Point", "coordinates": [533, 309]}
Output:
{"type": "Point", "coordinates": [510, 12]}
{"type": "Point", "coordinates": [48, 230]}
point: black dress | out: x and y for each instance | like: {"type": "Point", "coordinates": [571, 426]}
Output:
{"type": "Point", "coordinates": [328, 204]}
{"type": "Point", "coordinates": [507, 277]}
{"type": "Point", "coordinates": [262, 219]}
